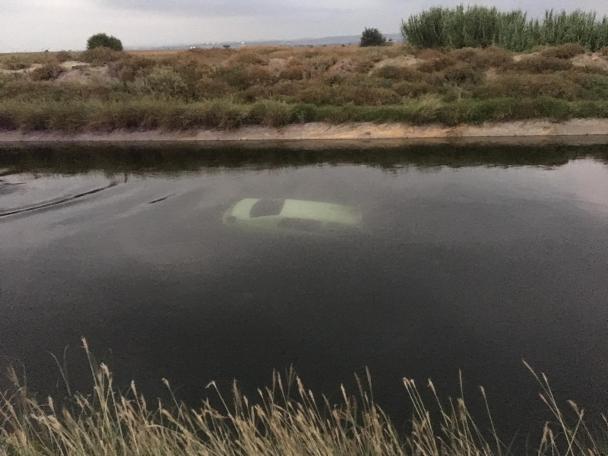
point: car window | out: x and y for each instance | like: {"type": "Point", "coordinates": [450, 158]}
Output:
{"type": "Point", "coordinates": [267, 207]}
{"type": "Point", "coordinates": [300, 224]}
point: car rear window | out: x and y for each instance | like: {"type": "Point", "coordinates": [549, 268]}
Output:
{"type": "Point", "coordinates": [267, 207]}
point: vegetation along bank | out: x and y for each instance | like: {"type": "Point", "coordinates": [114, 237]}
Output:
{"type": "Point", "coordinates": [458, 66]}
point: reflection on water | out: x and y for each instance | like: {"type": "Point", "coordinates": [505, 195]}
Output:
{"type": "Point", "coordinates": [476, 259]}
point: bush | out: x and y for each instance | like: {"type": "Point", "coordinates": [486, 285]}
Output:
{"type": "Point", "coordinates": [101, 56]}
{"type": "Point", "coordinates": [48, 72]}
{"type": "Point", "coordinates": [64, 56]}
{"type": "Point", "coordinates": [362, 95]}
{"type": "Point", "coordinates": [163, 81]}
{"type": "Point", "coordinates": [254, 93]}
{"type": "Point", "coordinates": [530, 85]}
{"type": "Point", "coordinates": [127, 69]}
{"type": "Point", "coordinates": [372, 37]}
{"type": "Point", "coordinates": [14, 63]}
{"type": "Point", "coordinates": [482, 58]}
{"type": "Point", "coordinates": [270, 113]}
{"type": "Point", "coordinates": [463, 73]}
{"type": "Point", "coordinates": [564, 51]}
{"type": "Point", "coordinates": [398, 73]}
{"type": "Point", "coordinates": [241, 77]}
{"type": "Point", "coordinates": [292, 73]}
{"type": "Point", "coordinates": [208, 88]}
{"type": "Point", "coordinates": [439, 64]}
{"type": "Point", "coordinates": [412, 89]}
{"type": "Point", "coordinates": [101, 40]}
{"type": "Point", "coordinates": [248, 58]}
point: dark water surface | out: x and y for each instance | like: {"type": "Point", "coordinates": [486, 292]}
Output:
{"type": "Point", "coordinates": [468, 259]}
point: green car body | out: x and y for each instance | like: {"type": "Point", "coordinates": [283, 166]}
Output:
{"type": "Point", "coordinates": [293, 216]}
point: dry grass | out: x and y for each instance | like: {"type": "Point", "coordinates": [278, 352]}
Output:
{"type": "Point", "coordinates": [284, 418]}
{"type": "Point", "coordinates": [336, 83]}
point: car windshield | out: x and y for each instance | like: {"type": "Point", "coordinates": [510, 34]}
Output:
{"type": "Point", "coordinates": [267, 207]}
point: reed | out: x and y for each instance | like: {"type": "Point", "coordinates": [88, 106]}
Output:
{"type": "Point", "coordinates": [479, 26]}
{"type": "Point", "coordinates": [285, 418]}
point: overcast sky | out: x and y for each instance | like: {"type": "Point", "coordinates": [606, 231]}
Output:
{"type": "Point", "coordinates": [34, 25]}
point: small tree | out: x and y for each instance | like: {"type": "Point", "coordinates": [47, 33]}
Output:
{"type": "Point", "coordinates": [372, 37]}
{"type": "Point", "coordinates": [103, 40]}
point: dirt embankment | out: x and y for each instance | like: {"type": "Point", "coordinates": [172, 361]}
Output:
{"type": "Point", "coordinates": [578, 131]}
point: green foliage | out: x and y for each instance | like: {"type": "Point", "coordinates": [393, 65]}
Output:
{"type": "Point", "coordinates": [163, 81]}
{"type": "Point", "coordinates": [103, 40]}
{"type": "Point", "coordinates": [372, 37]}
{"type": "Point", "coordinates": [479, 26]}
{"type": "Point", "coordinates": [270, 113]}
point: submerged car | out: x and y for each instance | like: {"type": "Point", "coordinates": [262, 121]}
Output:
{"type": "Point", "coordinates": [290, 215]}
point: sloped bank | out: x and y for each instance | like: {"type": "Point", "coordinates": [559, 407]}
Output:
{"type": "Point", "coordinates": [576, 131]}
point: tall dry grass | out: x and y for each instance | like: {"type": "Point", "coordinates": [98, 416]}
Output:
{"type": "Point", "coordinates": [283, 419]}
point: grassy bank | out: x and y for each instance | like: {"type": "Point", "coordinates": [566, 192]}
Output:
{"type": "Point", "coordinates": [149, 114]}
{"type": "Point", "coordinates": [284, 418]}
{"type": "Point", "coordinates": [103, 90]}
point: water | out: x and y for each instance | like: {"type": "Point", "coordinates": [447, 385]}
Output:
{"type": "Point", "coordinates": [466, 259]}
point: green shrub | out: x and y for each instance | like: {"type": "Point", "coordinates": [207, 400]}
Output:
{"type": "Point", "coordinates": [304, 112]}
{"type": "Point", "coordinates": [101, 40]}
{"type": "Point", "coordinates": [224, 114]}
{"type": "Point", "coordinates": [48, 72]}
{"type": "Point", "coordinates": [127, 69]}
{"type": "Point", "coordinates": [372, 37]}
{"type": "Point", "coordinates": [163, 81]}
{"type": "Point", "coordinates": [591, 86]}
{"type": "Point", "coordinates": [270, 113]}
{"type": "Point", "coordinates": [317, 94]}
{"type": "Point", "coordinates": [362, 95]}
{"type": "Point", "coordinates": [241, 77]}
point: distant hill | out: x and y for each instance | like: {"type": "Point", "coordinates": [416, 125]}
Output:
{"type": "Point", "coordinates": [329, 40]}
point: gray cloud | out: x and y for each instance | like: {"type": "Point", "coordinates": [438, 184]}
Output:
{"type": "Point", "coordinates": [215, 8]}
